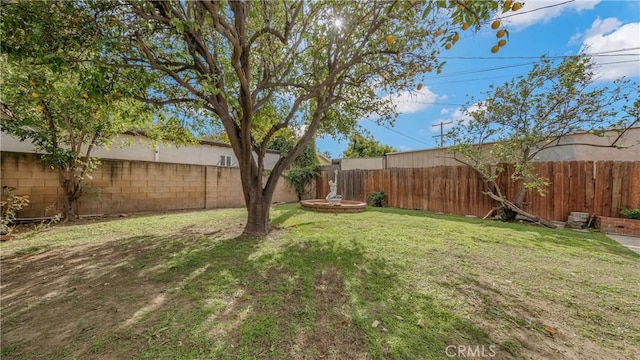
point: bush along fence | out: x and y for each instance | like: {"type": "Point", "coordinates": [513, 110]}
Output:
{"type": "Point", "coordinates": [601, 188]}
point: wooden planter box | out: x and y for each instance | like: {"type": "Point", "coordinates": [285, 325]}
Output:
{"type": "Point", "coordinates": [620, 226]}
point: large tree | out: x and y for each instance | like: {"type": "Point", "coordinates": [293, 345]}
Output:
{"type": "Point", "coordinates": [530, 114]}
{"type": "Point", "coordinates": [59, 90]}
{"type": "Point", "coordinates": [361, 146]}
{"type": "Point", "coordinates": [322, 64]}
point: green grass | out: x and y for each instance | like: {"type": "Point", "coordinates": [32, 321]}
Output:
{"type": "Point", "coordinates": [188, 286]}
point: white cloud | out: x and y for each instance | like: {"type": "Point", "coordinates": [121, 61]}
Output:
{"type": "Point", "coordinates": [576, 38]}
{"type": "Point", "coordinates": [457, 117]}
{"type": "Point", "coordinates": [404, 148]}
{"type": "Point", "coordinates": [600, 27]}
{"type": "Point", "coordinates": [409, 102]}
{"type": "Point", "coordinates": [544, 11]}
{"type": "Point", "coordinates": [608, 35]}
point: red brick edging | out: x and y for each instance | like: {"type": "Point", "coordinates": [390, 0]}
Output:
{"type": "Point", "coordinates": [620, 226]}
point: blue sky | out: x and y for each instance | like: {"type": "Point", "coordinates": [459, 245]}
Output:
{"type": "Point", "coordinates": [606, 26]}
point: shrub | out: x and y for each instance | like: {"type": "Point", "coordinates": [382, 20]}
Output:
{"type": "Point", "coordinates": [631, 213]}
{"type": "Point", "coordinates": [10, 206]}
{"type": "Point", "coordinates": [301, 178]}
{"type": "Point", "coordinates": [378, 198]}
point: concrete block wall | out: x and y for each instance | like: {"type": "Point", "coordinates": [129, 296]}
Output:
{"type": "Point", "coordinates": [121, 186]}
{"type": "Point", "coordinates": [31, 178]}
{"type": "Point", "coordinates": [285, 193]}
{"type": "Point", "coordinates": [224, 189]}
{"type": "Point", "coordinates": [132, 186]}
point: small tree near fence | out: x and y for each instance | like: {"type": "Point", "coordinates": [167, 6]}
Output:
{"type": "Point", "coordinates": [59, 92]}
{"type": "Point", "coordinates": [533, 113]}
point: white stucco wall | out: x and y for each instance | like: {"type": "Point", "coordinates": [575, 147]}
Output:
{"type": "Point", "coordinates": [629, 148]}
{"type": "Point", "coordinates": [129, 147]}
{"type": "Point", "coordinates": [421, 158]}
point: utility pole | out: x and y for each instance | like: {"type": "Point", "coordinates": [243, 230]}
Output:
{"type": "Point", "coordinates": [441, 136]}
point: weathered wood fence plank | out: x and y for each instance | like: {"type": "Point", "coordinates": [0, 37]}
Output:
{"type": "Point", "coordinates": [601, 188]}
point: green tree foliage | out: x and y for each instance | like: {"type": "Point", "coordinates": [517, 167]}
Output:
{"type": "Point", "coordinates": [62, 95]}
{"type": "Point", "coordinates": [304, 169]}
{"type": "Point", "coordinates": [264, 66]}
{"type": "Point", "coordinates": [533, 113]}
{"type": "Point", "coordinates": [362, 146]}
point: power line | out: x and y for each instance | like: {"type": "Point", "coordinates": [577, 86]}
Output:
{"type": "Point", "coordinates": [399, 133]}
{"type": "Point", "coordinates": [528, 57]}
{"type": "Point", "coordinates": [515, 76]}
{"type": "Point", "coordinates": [614, 51]}
{"type": "Point", "coordinates": [475, 71]}
{"type": "Point", "coordinates": [474, 79]}
{"type": "Point", "coordinates": [618, 62]}
{"type": "Point", "coordinates": [537, 9]}
{"type": "Point", "coordinates": [470, 72]}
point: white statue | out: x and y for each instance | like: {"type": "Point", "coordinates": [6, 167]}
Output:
{"type": "Point", "coordinates": [332, 197]}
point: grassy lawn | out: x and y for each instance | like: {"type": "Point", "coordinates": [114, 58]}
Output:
{"type": "Point", "coordinates": [385, 283]}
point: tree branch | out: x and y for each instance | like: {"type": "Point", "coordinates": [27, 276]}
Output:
{"type": "Point", "coordinates": [159, 103]}
{"type": "Point", "coordinates": [264, 31]}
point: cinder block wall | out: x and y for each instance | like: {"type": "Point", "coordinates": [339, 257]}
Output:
{"type": "Point", "coordinates": [119, 186]}
{"type": "Point", "coordinates": [30, 177]}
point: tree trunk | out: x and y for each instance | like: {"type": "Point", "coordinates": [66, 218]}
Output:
{"type": "Point", "coordinates": [69, 209]}
{"type": "Point", "coordinates": [519, 199]}
{"type": "Point", "coordinates": [258, 217]}
{"type": "Point", "coordinates": [507, 214]}
{"type": "Point", "coordinates": [72, 191]}
{"type": "Point", "coordinates": [258, 206]}
{"type": "Point", "coordinates": [511, 208]}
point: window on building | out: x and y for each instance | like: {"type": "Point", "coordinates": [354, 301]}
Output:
{"type": "Point", "coordinates": [225, 160]}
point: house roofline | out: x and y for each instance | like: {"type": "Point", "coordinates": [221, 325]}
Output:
{"type": "Point", "coordinates": [635, 128]}
{"type": "Point", "coordinates": [201, 142]}
{"type": "Point", "coordinates": [323, 156]}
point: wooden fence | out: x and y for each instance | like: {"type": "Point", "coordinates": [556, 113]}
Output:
{"type": "Point", "coordinates": [601, 188]}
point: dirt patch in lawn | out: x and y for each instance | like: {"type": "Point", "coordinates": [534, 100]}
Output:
{"type": "Point", "coordinates": [152, 297]}
{"type": "Point", "coordinates": [310, 322]}
{"type": "Point", "coordinates": [66, 303]}
{"type": "Point", "coordinates": [335, 335]}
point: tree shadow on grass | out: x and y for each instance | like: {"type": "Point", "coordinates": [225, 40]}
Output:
{"type": "Point", "coordinates": [285, 214]}
{"type": "Point", "coordinates": [213, 297]}
{"type": "Point", "coordinates": [64, 302]}
{"type": "Point", "coordinates": [313, 300]}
